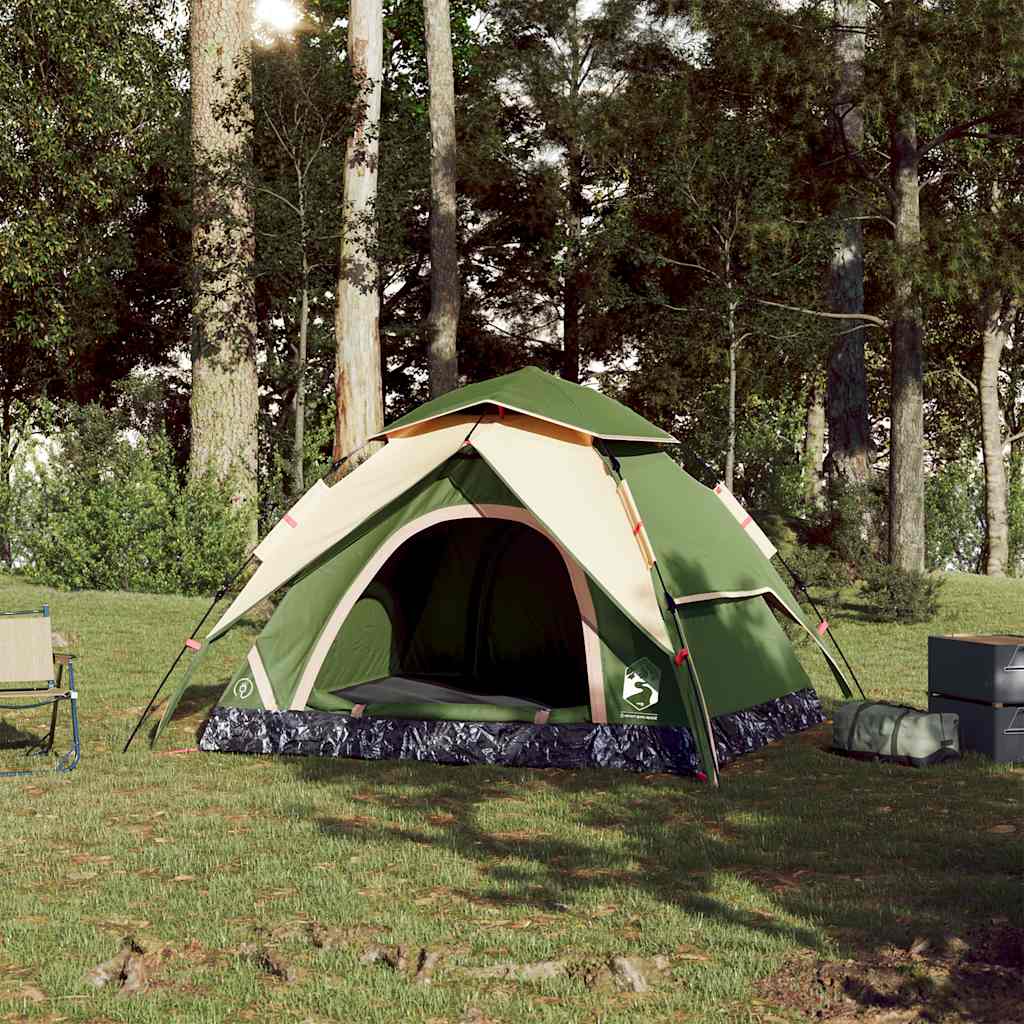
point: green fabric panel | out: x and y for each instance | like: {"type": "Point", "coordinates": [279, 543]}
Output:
{"type": "Point", "coordinates": [365, 646]}
{"type": "Point", "coordinates": [322, 700]}
{"type": "Point", "coordinates": [241, 691]}
{"type": "Point", "coordinates": [533, 390]}
{"type": "Point", "coordinates": [627, 650]}
{"type": "Point", "coordinates": [741, 653]}
{"type": "Point", "coordinates": [699, 545]}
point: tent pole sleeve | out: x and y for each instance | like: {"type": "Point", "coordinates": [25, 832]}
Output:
{"type": "Point", "coordinates": [802, 587]}
{"type": "Point", "coordinates": [186, 646]}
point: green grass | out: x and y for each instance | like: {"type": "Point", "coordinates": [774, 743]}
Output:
{"type": "Point", "coordinates": [200, 853]}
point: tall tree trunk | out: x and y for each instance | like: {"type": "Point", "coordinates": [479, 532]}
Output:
{"type": "Point", "coordinates": [357, 382]}
{"type": "Point", "coordinates": [731, 304]}
{"type": "Point", "coordinates": [906, 446]}
{"type": "Point", "coordinates": [846, 400]}
{"type": "Point", "coordinates": [299, 399]}
{"type": "Point", "coordinates": [445, 291]}
{"type": "Point", "coordinates": [814, 443]}
{"type": "Point", "coordinates": [995, 335]}
{"type": "Point", "coordinates": [225, 395]}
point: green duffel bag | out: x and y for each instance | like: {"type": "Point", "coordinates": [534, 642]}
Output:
{"type": "Point", "coordinates": [894, 732]}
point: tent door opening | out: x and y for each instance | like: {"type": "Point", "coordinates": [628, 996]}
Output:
{"type": "Point", "coordinates": [466, 611]}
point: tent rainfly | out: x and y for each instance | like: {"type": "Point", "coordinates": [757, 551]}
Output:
{"type": "Point", "coordinates": [521, 575]}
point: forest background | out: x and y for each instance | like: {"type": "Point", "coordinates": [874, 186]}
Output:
{"type": "Point", "coordinates": [231, 246]}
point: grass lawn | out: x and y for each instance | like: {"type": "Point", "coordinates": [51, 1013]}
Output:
{"type": "Point", "coordinates": [219, 865]}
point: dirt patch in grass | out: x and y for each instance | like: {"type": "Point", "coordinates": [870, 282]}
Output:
{"type": "Point", "coordinates": [972, 980]}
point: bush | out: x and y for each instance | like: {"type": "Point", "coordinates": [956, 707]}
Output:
{"type": "Point", "coordinates": [108, 512]}
{"type": "Point", "coordinates": [901, 595]}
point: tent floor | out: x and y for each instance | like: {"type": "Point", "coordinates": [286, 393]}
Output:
{"type": "Point", "coordinates": [425, 690]}
{"type": "Point", "coordinates": [641, 748]}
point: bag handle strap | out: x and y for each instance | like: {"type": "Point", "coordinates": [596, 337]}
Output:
{"type": "Point", "coordinates": [896, 731]}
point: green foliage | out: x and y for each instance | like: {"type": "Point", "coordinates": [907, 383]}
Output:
{"type": "Point", "coordinates": [899, 595]}
{"type": "Point", "coordinates": [107, 512]}
{"type": "Point", "coordinates": [955, 515]}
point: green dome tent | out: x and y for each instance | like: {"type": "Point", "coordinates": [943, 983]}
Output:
{"type": "Point", "coordinates": [520, 575]}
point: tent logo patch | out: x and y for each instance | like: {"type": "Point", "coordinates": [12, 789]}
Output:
{"type": "Point", "coordinates": [640, 685]}
{"type": "Point", "coordinates": [243, 688]}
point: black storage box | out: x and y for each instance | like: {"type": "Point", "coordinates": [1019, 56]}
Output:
{"type": "Point", "coordinates": [981, 679]}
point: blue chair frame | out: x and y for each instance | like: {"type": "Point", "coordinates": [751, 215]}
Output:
{"type": "Point", "coordinates": [59, 688]}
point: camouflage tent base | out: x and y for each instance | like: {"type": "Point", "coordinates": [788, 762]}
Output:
{"type": "Point", "coordinates": [638, 748]}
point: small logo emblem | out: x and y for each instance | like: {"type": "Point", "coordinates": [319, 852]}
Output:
{"type": "Point", "coordinates": [640, 685]}
{"type": "Point", "coordinates": [243, 688]}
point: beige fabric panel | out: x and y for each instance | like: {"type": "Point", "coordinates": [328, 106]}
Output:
{"type": "Point", "coordinates": [350, 502]}
{"type": "Point", "coordinates": [26, 649]}
{"type": "Point", "coordinates": [285, 528]}
{"type": "Point", "coordinates": [566, 485]}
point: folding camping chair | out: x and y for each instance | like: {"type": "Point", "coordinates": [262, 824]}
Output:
{"type": "Point", "coordinates": [29, 668]}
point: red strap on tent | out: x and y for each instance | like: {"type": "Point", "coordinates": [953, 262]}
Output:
{"type": "Point", "coordinates": [746, 522]}
{"type": "Point", "coordinates": [465, 443]}
{"type": "Point", "coordinates": [823, 627]}
{"type": "Point", "coordinates": [718, 488]}
{"type": "Point", "coordinates": [501, 412]}
{"type": "Point", "coordinates": [701, 777]}
{"type": "Point", "coordinates": [542, 716]}
{"type": "Point", "coordinates": [292, 522]}
{"type": "Point", "coordinates": [357, 710]}
{"type": "Point", "coordinates": [639, 526]}
{"type": "Point", "coordinates": [193, 645]}
{"type": "Point", "coordinates": [682, 655]}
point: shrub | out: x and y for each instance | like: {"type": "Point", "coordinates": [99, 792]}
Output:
{"type": "Point", "coordinates": [108, 512]}
{"type": "Point", "coordinates": [900, 595]}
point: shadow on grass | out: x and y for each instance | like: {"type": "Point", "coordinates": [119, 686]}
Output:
{"type": "Point", "coordinates": [868, 851]}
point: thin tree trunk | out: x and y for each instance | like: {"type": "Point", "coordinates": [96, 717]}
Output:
{"type": "Point", "coordinates": [846, 401]}
{"type": "Point", "coordinates": [571, 298]}
{"type": "Point", "coordinates": [225, 394]}
{"type": "Point", "coordinates": [814, 443]}
{"type": "Point", "coordinates": [996, 334]}
{"type": "Point", "coordinates": [730, 452]}
{"type": "Point", "coordinates": [906, 446]}
{"type": "Point", "coordinates": [445, 290]}
{"type": "Point", "coordinates": [299, 399]}
{"type": "Point", "coordinates": [8, 451]}
{"type": "Point", "coordinates": [360, 406]}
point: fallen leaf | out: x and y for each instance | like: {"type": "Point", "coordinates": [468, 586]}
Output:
{"type": "Point", "coordinates": [183, 878]}
{"type": "Point", "coordinates": [1003, 830]}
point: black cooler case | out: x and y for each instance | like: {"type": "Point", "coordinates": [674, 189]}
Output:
{"type": "Point", "coordinates": [981, 679]}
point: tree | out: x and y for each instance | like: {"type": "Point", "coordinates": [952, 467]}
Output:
{"type": "Point", "coordinates": [225, 394]}
{"type": "Point", "coordinates": [565, 65]}
{"type": "Point", "coordinates": [302, 101]}
{"type": "Point", "coordinates": [88, 114]}
{"type": "Point", "coordinates": [444, 257]}
{"type": "Point", "coordinates": [360, 404]}
{"type": "Point", "coordinates": [846, 400]}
